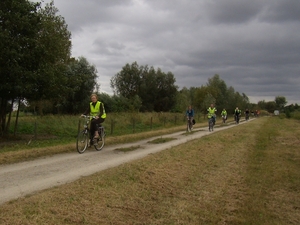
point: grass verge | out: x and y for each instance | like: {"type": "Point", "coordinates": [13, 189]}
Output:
{"type": "Point", "coordinates": [248, 174]}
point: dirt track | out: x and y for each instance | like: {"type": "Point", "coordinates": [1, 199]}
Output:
{"type": "Point", "coordinates": [20, 179]}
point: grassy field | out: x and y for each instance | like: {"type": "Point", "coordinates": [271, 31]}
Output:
{"type": "Point", "coordinates": [248, 174]}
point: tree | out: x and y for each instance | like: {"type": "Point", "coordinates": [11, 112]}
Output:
{"type": "Point", "coordinates": [218, 89]}
{"type": "Point", "coordinates": [81, 83]}
{"type": "Point", "coordinates": [127, 81]}
{"type": "Point", "coordinates": [280, 102]}
{"type": "Point", "coordinates": [35, 46]}
{"type": "Point", "coordinates": [54, 49]}
{"type": "Point", "coordinates": [156, 90]}
{"type": "Point", "coordinates": [19, 26]}
{"type": "Point", "coordinates": [182, 100]}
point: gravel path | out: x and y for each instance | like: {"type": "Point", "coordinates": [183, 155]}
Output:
{"type": "Point", "coordinates": [20, 179]}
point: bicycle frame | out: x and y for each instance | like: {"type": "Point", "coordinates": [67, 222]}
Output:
{"type": "Point", "coordinates": [189, 125]}
{"type": "Point", "coordinates": [211, 124]}
{"type": "Point", "coordinates": [84, 137]}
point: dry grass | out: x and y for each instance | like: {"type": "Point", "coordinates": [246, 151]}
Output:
{"type": "Point", "coordinates": [245, 175]}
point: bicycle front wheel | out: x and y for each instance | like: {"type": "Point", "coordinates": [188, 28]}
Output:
{"type": "Point", "coordinates": [99, 142]}
{"type": "Point", "coordinates": [82, 141]}
{"type": "Point", "coordinates": [188, 127]}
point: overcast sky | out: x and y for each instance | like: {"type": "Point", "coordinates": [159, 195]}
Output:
{"type": "Point", "coordinates": [254, 45]}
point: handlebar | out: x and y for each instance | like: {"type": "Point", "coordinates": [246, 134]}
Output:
{"type": "Point", "coordinates": [88, 117]}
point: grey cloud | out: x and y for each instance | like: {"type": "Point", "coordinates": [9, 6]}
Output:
{"type": "Point", "coordinates": [253, 45]}
{"type": "Point", "coordinates": [281, 11]}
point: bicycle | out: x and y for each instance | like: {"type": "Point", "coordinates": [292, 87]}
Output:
{"type": "Point", "coordinates": [247, 116]}
{"type": "Point", "coordinates": [237, 119]}
{"type": "Point", "coordinates": [211, 124]}
{"type": "Point", "coordinates": [84, 139]}
{"type": "Point", "coordinates": [189, 125]}
{"type": "Point", "coordinates": [224, 118]}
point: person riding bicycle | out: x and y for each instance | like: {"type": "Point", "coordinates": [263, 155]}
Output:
{"type": "Point", "coordinates": [95, 109]}
{"type": "Point", "coordinates": [190, 115]}
{"type": "Point", "coordinates": [237, 114]}
{"type": "Point", "coordinates": [212, 113]}
{"type": "Point", "coordinates": [247, 113]}
{"type": "Point", "coordinates": [224, 115]}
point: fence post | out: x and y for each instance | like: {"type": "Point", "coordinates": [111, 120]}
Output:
{"type": "Point", "coordinates": [35, 130]}
{"type": "Point", "coordinates": [175, 120]}
{"type": "Point", "coordinates": [133, 125]}
{"type": "Point", "coordinates": [111, 126]}
{"type": "Point", "coordinates": [151, 121]}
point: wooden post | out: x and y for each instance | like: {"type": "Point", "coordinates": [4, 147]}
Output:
{"type": "Point", "coordinates": [133, 125]}
{"type": "Point", "coordinates": [35, 130]}
{"type": "Point", "coordinates": [111, 126]}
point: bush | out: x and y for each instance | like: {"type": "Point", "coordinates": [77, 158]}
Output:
{"type": "Point", "coordinates": [295, 115]}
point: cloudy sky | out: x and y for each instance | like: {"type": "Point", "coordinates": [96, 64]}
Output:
{"type": "Point", "coordinates": [253, 45]}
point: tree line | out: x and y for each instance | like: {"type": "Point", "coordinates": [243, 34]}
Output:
{"type": "Point", "coordinates": [38, 74]}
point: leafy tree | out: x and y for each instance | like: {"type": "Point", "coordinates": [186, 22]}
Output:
{"type": "Point", "coordinates": [19, 27]}
{"type": "Point", "coordinates": [270, 106]}
{"type": "Point", "coordinates": [127, 81]}
{"type": "Point", "coordinates": [201, 98]}
{"type": "Point", "coordinates": [155, 89]}
{"type": "Point", "coordinates": [54, 47]}
{"type": "Point", "coordinates": [81, 83]}
{"type": "Point", "coordinates": [35, 45]}
{"type": "Point", "coordinates": [182, 100]}
{"type": "Point", "coordinates": [165, 92]}
{"type": "Point", "coordinates": [280, 102]}
{"type": "Point", "coordinates": [218, 89]}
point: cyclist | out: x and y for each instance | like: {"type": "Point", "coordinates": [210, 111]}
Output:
{"type": "Point", "coordinates": [211, 113]}
{"type": "Point", "coordinates": [247, 113]}
{"type": "Point", "coordinates": [224, 115]}
{"type": "Point", "coordinates": [190, 115]}
{"type": "Point", "coordinates": [237, 114]}
{"type": "Point", "coordinates": [95, 109]}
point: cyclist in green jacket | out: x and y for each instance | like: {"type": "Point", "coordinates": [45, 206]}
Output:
{"type": "Point", "coordinates": [224, 115]}
{"type": "Point", "coordinates": [95, 109]}
{"type": "Point", "coordinates": [211, 113]}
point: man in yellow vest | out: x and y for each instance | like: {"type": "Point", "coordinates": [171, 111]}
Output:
{"type": "Point", "coordinates": [95, 109]}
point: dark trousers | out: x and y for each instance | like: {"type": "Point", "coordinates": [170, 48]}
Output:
{"type": "Point", "coordinates": [94, 125]}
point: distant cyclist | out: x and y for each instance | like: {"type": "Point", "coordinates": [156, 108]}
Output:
{"type": "Point", "coordinates": [190, 115]}
{"type": "Point", "coordinates": [224, 115]}
{"type": "Point", "coordinates": [211, 113]}
{"type": "Point", "coordinates": [237, 114]}
{"type": "Point", "coordinates": [247, 113]}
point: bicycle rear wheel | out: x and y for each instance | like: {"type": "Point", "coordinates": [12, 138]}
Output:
{"type": "Point", "coordinates": [99, 142]}
{"type": "Point", "coordinates": [82, 141]}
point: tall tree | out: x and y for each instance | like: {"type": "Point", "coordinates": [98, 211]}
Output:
{"type": "Point", "coordinates": [19, 26]}
{"type": "Point", "coordinates": [156, 89]}
{"type": "Point", "coordinates": [81, 79]}
{"type": "Point", "coordinates": [127, 81]}
{"type": "Point", "coordinates": [280, 102]}
{"type": "Point", "coordinates": [218, 89]}
{"type": "Point", "coordinates": [54, 45]}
